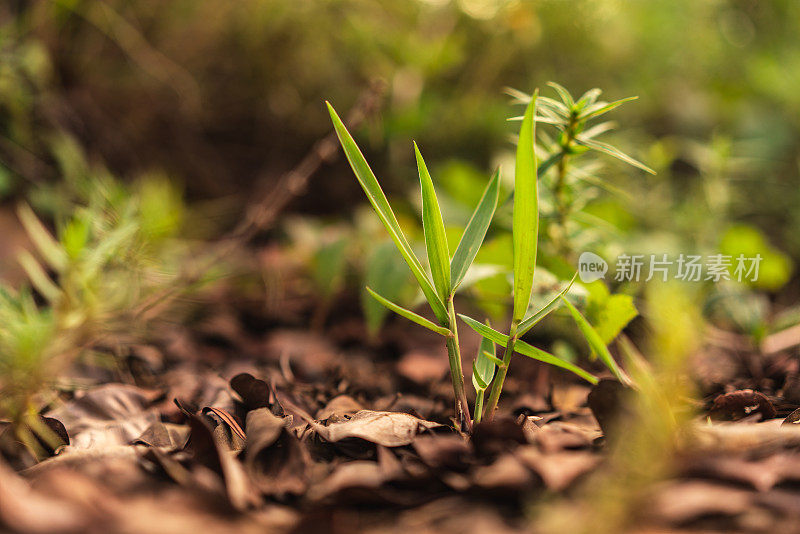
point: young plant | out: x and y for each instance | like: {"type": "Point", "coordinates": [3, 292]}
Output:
{"type": "Point", "coordinates": [114, 249]}
{"type": "Point", "coordinates": [525, 242]}
{"type": "Point", "coordinates": [446, 274]}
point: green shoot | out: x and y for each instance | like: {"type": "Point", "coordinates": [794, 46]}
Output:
{"type": "Point", "coordinates": [482, 373]}
{"type": "Point", "coordinates": [447, 275]}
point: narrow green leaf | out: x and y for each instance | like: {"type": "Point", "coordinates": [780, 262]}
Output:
{"type": "Point", "coordinates": [588, 98]}
{"type": "Point", "coordinates": [612, 151]}
{"type": "Point", "coordinates": [519, 97]}
{"type": "Point", "coordinates": [475, 231]}
{"type": "Point", "coordinates": [526, 213]}
{"type": "Point", "coordinates": [595, 343]}
{"type": "Point", "coordinates": [432, 224]}
{"type": "Point", "coordinates": [484, 365]}
{"type": "Point", "coordinates": [598, 129]}
{"type": "Point", "coordinates": [534, 319]}
{"type": "Point", "coordinates": [563, 93]}
{"type": "Point", "coordinates": [408, 314]}
{"type": "Point", "coordinates": [526, 349]}
{"type": "Point", "coordinates": [553, 105]}
{"type": "Point", "coordinates": [45, 243]}
{"type": "Point", "coordinates": [603, 107]}
{"type": "Point", "coordinates": [378, 200]}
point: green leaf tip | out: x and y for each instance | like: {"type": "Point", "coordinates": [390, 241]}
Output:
{"type": "Point", "coordinates": [433, 226]}
{"type": "Point", "coordinates": [369, 183]}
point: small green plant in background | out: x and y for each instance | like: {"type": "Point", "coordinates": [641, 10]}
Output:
{"type": "Point", "coordinates": [446, 274]}
{"type": "Point", "coordinates": [570, 180]}
{"type": "Point", "coordinates": [114, 249]}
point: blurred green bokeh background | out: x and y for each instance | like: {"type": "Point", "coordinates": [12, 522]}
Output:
{"type": "Point", "coordinates": [220, 95]}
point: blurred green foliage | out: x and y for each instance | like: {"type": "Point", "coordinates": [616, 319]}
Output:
{"type": "Point", "coordinates": [220, 95]}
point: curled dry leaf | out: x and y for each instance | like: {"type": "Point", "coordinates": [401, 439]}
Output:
{"type": "Point", "coordinates": [274, 458]}
{"type": "Point", "coordinates": [792, 419]}
{"type": "Point", "coordinates": [255, 393]}
{"type": "Point", "coordinates": [740, 404]}
{"type": "Point", "coordinates": [390, 429]}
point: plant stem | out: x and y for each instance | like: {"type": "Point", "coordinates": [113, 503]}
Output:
{"type": "Point", "coordinates": [478, 407]}
{"type": "Point", "coordinates": [456, 373]}
{"type": "Point", "coordinates": [500, 376]}
{"type": "Point", "coordinates": [562, 208]}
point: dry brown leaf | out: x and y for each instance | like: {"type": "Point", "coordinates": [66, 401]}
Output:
{"type": "Point", "coordinates": [108, 415]}
{"type": "Point", "coordinates": [740, 404]}
{"type": "Point", "coordinates": [390, 429]}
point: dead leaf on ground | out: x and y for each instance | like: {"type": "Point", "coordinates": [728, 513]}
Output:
{"type": "Point", "coordinates": [792, 419]}
{"type": "Point", "coordinates": [740, 404]}
{"type": "Point", "coordinates": [338, 408]}
{"type": "Point", "coordinates": [164, 435]}
{"type": "Point", "coordinates": [108, 415]}
{"type": "Point", "coordinates": [275, 459]}
{"type": "Point", "coordinates": [390, 429]}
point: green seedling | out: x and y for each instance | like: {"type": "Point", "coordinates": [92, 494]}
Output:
{"type": "Point", "coordinates": [525, 243]}
{"type": "Point", "coordinates": [446, 273]}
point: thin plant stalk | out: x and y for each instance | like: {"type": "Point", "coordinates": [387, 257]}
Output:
{"type": "Point", "coordinates": [456, 371]}
{"type": "Point", "coordinates": [500, 376]}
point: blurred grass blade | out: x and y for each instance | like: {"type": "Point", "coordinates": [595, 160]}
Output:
{"type": "Point", "coordinates": [432, 224]}
{"type": "Point", "coordinates": [38, 277]}
{"type": "Point", "coordinates": [45, 243]}
{"type": "Point", "coordinates": [526, 213]}
{"type": "Point", "coordinates": [602, 107]}
{"type": "Point", "coordinates": [612, 151]}
{"type": "Point", "coordinates": [475, 232]}
{"type": "Point", "coordinates": [534, 319]}
{"type": "Point", "coordinates": [378, 200]}
{"type": "Point", "coordinates": [526, 349]}
{"type": "Point", "coordinates": [408, 314]}
{"type": "Point", "coordinates": [596, 343]}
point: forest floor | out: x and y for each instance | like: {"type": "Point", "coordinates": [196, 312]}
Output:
{"type": "Point", "coordinates": [246, 422]}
